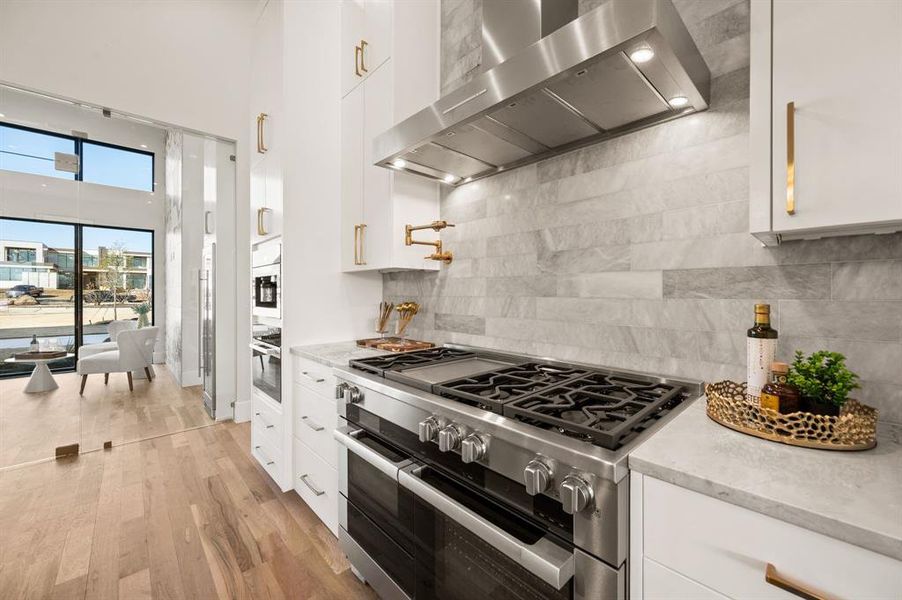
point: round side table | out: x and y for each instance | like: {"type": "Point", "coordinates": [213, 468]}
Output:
{"type": "Point", "coordinates": [41, 379]}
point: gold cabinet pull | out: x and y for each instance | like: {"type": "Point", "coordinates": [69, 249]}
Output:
{"type": "Point", "coordinates": [797, 589]}
{"type": "Point", "coordinates": [261, 227]}
{"type": "Point", "coordinates": [790, 158]}
{"type": "Point", "coordinates": [356, 246]}
{"type": "Point", "coordinates": [362, 238]}
{"type": "Point", "coordinates": [358, 51]}
{"type": "Point", "coordinates": [362, 47]}
{"type": "Point", "coordinates": [261, 146]}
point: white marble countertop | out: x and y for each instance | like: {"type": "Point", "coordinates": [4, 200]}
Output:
{"type": "Point", "coordinates": [335, 354]}
{"type": "Point", "coordinates": [851, 496]}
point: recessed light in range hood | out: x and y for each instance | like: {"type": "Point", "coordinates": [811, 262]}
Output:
{"type": "Point", "coordinates": [624, 66]}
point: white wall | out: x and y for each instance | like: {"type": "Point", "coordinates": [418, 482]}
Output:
{"type": "Point", "coordinates": [184, 63]}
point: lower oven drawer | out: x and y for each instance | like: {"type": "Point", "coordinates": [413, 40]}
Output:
{"type": "Point", "coordinates": [380, 548]}
{"type": "Point", "coordinates": [316, 482]}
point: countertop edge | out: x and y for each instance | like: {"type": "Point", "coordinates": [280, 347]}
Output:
{"type": "Point", "coordinates": [298, 351]}
{"type": "Point", "coordinates": [875, 541]}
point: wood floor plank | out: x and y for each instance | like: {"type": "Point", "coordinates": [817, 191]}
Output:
{"type": "Point", "coordinates": [188, 515]}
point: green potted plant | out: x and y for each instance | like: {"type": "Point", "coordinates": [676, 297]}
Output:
{"type": "Point", "coordinates": [142, 311]}
{"type": "Point", "coordinates": [823, 380]}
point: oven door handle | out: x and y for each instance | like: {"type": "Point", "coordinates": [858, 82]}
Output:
{"type": "Point", "coordinates": [348, 438]}
{"type": "Point", "coordinates": [264, 350]}
{"type": "Point", "coordinates": [546, 560]}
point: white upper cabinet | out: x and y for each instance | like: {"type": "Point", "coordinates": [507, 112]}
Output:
{"type": "Point", "coordinates": [826, 122]}
{"type": "Point", "coordinates": [366, 35]}
{"type": "Point", "coordinates": [378, 203]}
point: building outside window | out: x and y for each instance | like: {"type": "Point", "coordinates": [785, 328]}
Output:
{"type": "Point", "coordinates": [21, 255]}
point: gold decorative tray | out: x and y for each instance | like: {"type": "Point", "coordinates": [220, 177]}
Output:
{"type": "Point", "coordinates": [854, 429]}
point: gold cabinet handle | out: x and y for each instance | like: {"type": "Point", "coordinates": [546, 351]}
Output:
{"type": "Point", "coordinates": [261, 146]}
{"type": "Point", "coordinates": [358, 51]}
{"type": "Point", "coordinates": [790, 158]}
{"type": "Point", "coordinates": [797, 589]}
{"type": "Point", "coordinates": [356, 244]}
{"type": "Point", "coordinates": [363, 45]}
{"type": "Point", "coordinates": [261, 227]}
{"type": "Point", "coordinates": [362, 238]}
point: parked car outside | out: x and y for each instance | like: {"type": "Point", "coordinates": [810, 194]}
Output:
{"type": "Point", "coordinates": [24, 290]}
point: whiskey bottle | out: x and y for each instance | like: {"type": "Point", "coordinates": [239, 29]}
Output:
{"type": "Point", "coordinates": [779, 394]}
{"type": "Point", "coordinates": [761, 348]}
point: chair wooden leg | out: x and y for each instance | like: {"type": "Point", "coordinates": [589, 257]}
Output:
{"type": "Point", "coordinates": [106, 378]}
{"type": "Point", "coordinates": [84, 380]}
{"type": "Point", "coordinates": [131, 386]}
{"type": "Point", "coordinates": [147, 372]}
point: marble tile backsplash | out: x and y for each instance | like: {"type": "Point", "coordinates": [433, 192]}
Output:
{"type": "Point", "coordinates": [635, 253]}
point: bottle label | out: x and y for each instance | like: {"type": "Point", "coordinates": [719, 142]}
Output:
{"type": "Point", "coordinates": [770, 401]}
{"type": "Point", "coordinates": [760, 356]}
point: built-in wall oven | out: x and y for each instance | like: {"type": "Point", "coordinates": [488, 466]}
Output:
{"type": "Point", "coordinates": [266, 360]}
{"type": "Point", "coordinates": [419, 523]}
{"type": "Point", "coordinates": [267, 274]}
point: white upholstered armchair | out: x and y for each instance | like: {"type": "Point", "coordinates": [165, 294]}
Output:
{"type": "Point", "coordinates": [134, 352]}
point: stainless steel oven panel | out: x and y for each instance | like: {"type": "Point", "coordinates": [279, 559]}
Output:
{"type": "Point", "coordinates": [604, 531]}
{"type": "Point", "coordinates": [266, 253]}
{"type": "Point", "coordinates": [377, 579]}
{"type": "Point", "coordinates": [594, 579]}
{"type": "Point", "coordinates": [347, 437]}
{"type": "Point", "coordinates": [546, 560]}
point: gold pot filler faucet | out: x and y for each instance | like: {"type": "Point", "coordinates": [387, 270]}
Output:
{"type": "Point", "coordinates": [446, 256]}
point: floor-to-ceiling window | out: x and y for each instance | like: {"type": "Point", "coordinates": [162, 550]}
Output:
{"type": "Point", "coordinates": [37, 296]}
{"type": "Point", "coordinates": [48, 294]}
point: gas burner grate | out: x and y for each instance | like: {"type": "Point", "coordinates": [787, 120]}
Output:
{"type": "Point", "coordinates": [491, 390]}
{"type": "Point", "coordinates": [380, 364]}
{"type": "Point", "coordinates": [602, 408]}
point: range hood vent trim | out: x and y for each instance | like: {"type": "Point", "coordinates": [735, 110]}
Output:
{"type": "Point", "coordinates": [575, 87]}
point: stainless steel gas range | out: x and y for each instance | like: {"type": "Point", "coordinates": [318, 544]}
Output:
{"type": "Point", "coordinates": [466, 473]}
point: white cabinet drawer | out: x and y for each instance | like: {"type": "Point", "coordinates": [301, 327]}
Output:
{"type": "Point", "coordinates": [660, 583]}
{"type": "Point", "coordinates": [268, 455]}
{"type": "Point", "coordinates": [269, 423]}
{"type": "Point", "coordinates": [315, 418]}
{"type": "Point", "coordinates": [317, 484]}
{"type": "Point", "coordinates": [313, 375]}
{"type": "Point", "coordinates": [727, 548]}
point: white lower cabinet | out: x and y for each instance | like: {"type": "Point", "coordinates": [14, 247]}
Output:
{"type": "Point", "coordinates": [692, 545]}
{"type": "Point", "coordinates": [315, 451]}
{"type": "Point", "coordinates": [269, 439]}
{"type": "Point", "coordinates": [316, 482]}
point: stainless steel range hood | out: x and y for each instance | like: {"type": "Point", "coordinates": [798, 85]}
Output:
{"type": "Point", "coordinates": [623, 66]}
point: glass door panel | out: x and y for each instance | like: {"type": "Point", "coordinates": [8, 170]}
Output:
{"type": "Point", "coordinates": [37, 303]}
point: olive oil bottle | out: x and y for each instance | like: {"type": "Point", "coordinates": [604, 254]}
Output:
{"type": "Point", "coordinates": [761, 348]}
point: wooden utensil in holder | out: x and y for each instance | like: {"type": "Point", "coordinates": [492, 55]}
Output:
{"type": "Point", "coordinates": [385, 310]}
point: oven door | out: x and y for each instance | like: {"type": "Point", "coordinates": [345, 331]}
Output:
{"type": "Point", "coordinates": [266, 369]}
{"type": "Point", "coordinates": [468, 546]}
{"type": "Point", "coordinates": [267, 295]}
{"type": "Point", "coordinates": [375, 513]}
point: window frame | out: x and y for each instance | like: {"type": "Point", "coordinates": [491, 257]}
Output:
{"type": "Point", "coordinates": [79, 143]}
{"type": "Point", "coordinates": [78, 279]}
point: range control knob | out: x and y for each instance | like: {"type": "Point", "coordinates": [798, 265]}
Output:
{"type": "Point", "coordinates": [448, 438]}
{"type": "Point", "coordinates": [353, 394]}
{"type": "Point", "coordinates": [340, 390]}
{"type": "Point", "coordinates": [473, 448]}
{"type": "Point", "coordinates": [537, 475]}
{"type": "Point", "coordinates": [576, 493]}
{"type": "Point", "coordinates": [428, 429]}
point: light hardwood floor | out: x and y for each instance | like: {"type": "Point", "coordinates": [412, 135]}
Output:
{"type": "Point", "coordinates": [33, 425]}
{"type": "Point", "coordinates": [188, 515]}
